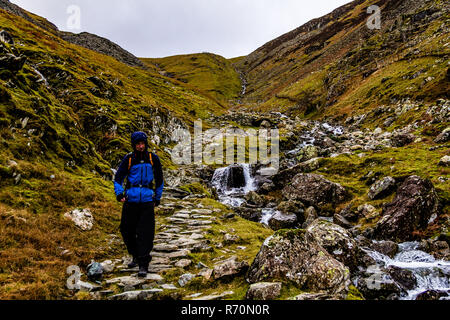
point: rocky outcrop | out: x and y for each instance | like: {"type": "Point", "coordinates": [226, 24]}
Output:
{"type": "Point", "coordinates": [286, 175]}
{"type": "Point", "coordinates": [102, 45]}
{"type": "Point", "coordinates": [337, 241]}
{"type": "Point", "coordinates": [84, 39]}
{"type": "Point", "coordinates": [314, 190]}
{"type": "Point", "coordinates": [295, 255]}
{"type": "Point", "coordinates": [415, 203]}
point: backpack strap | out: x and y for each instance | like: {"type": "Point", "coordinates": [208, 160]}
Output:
{"type": "Point", "coordinates": [151, 158]}
{"type": "Point", "coordinates": [131, 160]}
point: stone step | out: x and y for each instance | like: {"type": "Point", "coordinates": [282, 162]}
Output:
{"type": "Point", "coordinates": [172, 255]}
{"type": "Point", "coordinates": [217, 296]}
{"type": "Point", "coordinates": [136, 295]}
{"type": "Point", "coordinates": [181, 216]}
{"type": "Point", "coordinates": [168, 247]}
{"type": "Point", "coordinates": [200, 223]}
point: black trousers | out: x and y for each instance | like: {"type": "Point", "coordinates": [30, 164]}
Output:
{"type": "Point", "coordinates": [137, 227]}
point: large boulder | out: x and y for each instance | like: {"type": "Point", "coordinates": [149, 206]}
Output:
{"type": "Point", "coordinates": [308, 153]}
{"type": "Point", "coordinates": [337, 241]}
{"type": "Point", "coordinates": [314, 190]}
{"type": "Point", "coordinates": [295, 255]}
{"type": "Point", "coordinates": [281, 220]}
{"type": "Point", "coordinates": [403, 277]}
{"type": "Point", "coordinates": [415, 203]}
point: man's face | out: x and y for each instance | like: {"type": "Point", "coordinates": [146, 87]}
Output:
{"type": "Point", "coordinates": [140, 146]}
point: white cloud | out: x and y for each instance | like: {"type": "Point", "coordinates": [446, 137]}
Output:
{"type": "Point", "coordinates": [151, 28]}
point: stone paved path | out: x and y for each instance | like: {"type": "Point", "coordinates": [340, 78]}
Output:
{"type": "Point", "coordinates": [177, 235]}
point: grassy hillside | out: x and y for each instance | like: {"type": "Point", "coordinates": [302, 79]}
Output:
{"type": "Point", "coordinates": [66, 116]}
{"type": "Point", "coordinates": [65, 120]}
{"type": "Point", "coordinates": [335, 66]}
{"type": "Point", "coordinates": [207, 72]}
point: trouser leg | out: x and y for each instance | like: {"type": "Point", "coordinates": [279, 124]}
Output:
{"type": "Point", "coordinates": [145, 233]}
{"type": "Point", "coordinates": [128, 225]}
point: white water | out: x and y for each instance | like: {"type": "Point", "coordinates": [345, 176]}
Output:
{"type": "Point", "coordinates": [309, 137]}
{"type": "Point", "coordinates": [267, 214]}
{"type": "Point", "coordinates": [234, 196]}
{"type": "Point", "coordinates": [431, 274]}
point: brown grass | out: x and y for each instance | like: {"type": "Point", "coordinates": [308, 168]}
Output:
{"type": "Point", "coordinates": [31, 262]}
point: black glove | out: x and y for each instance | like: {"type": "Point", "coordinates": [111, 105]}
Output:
{"type": "Point", "coordinates": [157, 203]}
{"type": "Point", "coordinates": [120, 197]}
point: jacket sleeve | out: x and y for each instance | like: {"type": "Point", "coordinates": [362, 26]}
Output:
{"type": "Point", "coordinates": [121, 174]}
{"type": "Point", "coordinates": [159, 179]}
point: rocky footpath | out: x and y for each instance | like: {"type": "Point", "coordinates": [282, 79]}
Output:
{"type": "Point", "coordinates": [177, 271]}
{"type": "Point", "coordinates": [182, 227]}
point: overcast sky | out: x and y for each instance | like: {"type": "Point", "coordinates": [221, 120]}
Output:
{"type": "Point", "coordinates": [160, 28]}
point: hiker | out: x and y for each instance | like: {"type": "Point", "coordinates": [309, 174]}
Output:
{"type": "Point", "coordinates": [142, 194]}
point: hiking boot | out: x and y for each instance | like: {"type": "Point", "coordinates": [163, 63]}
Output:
{"type": "Point", "coordinates": [133, 264]}
{"type": "Point", "coordinates": [142, 271]}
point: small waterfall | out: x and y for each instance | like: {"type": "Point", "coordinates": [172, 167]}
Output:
{"type": "Point", "coordinates": [233, 183]}
{"type": "Point", "coordinates": [431, 274]}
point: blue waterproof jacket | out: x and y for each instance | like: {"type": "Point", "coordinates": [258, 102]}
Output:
{"type": "Point", "coordinates": [144, 181]}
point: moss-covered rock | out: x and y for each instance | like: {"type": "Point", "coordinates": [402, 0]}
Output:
{"type": "Point", "coordinates": [415, 203]}
{"type": "Point", "coordinates": [294, 255]}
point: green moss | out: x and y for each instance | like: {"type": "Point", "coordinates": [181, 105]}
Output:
{"type": "Point", "coordinates": [210, 74]}
{"type": "Point", "coordinates": [354, 294]}
{"type": "Point", "coordinates": [195, 188]}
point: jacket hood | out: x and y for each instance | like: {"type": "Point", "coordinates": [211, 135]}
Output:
{"type": "Point", "coordinates": [138, 137]}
